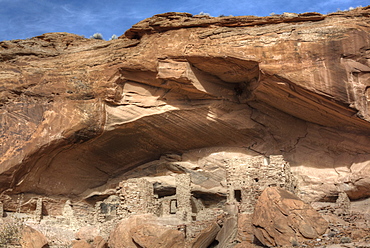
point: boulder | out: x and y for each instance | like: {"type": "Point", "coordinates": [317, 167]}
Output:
{"type": "Point", "coordinates": [31, 238]}
{"type": "Point", "coordinates": [146, 232]}
{"type": "Point", "coordinates": [85, 240]}
{"type": "Point", "coordinates": [145, 235]}
{"type": "Point", "coordinates": [120, 236]}
{"type": "Point", "coordinates": [282, 219]}
{"type": "Point", "coordinates": [157, 236]}
{"type": "Point", "coordinates": [244, 244]}
{"type": "Point", "coordinates": [169, 239]}
{"type": "Point", "coordinates": [99, 242]}
{"type": "Point", "coordinates": [87, 233]}
{"type": "Point", "coordinates": [81, 244]}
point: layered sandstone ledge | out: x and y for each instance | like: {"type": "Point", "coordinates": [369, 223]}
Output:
{"type": "Point", "coordinates": [78, 116]}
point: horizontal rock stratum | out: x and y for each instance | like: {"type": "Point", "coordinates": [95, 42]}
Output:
{"type": "Point", "coordinates": [80, 115]}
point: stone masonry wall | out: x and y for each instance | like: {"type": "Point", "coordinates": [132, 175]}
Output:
{"type": "Point", "coordinates": [246, 179]}
{"type": "Point", "coordinates": [183, 196]}
{"type": "Point", "coordinates": [137, 197]}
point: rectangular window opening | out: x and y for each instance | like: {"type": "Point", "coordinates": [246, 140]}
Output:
{"type": "Point", "coordinates": [173, 206]}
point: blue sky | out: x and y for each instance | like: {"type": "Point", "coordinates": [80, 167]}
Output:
{"type": "Point", "coordinates": [20, 19]}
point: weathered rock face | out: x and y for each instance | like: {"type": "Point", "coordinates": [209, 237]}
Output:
{"type": "Point", "coordinates": [32, 238]}
{"type": "Point", "coordinates": [296, 87]}
{"type": "Point", "coordinates": [145, 231]}
{"type": "Point", "coordinates": [80, 115]}
{"type": "Point", "coordinates": [282, 219]}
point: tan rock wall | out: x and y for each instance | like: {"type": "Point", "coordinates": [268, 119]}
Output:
{"type": "Point", "coordinates": [78, 113]}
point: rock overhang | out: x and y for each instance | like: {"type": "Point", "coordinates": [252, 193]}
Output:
{"type": "Point", "coordinates": [241, 94]}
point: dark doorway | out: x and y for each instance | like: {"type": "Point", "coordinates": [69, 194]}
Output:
{"type": "Point", "coordinates": [238, 195]}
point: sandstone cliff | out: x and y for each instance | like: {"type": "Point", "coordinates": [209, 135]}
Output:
{"type": "Point", "coordinates": [80, 115]}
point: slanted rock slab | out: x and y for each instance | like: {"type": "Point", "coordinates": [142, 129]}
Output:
{"type": "Point", "coordinates": [206, 236]}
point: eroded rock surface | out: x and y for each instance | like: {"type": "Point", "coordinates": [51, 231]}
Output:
{"type": "Point", "coordinates": [183, 94]}
{"type": "Point", "coordinates": [295, 87]}
{"type": "Point", "coordinates": [31, 238]}
{"type": "Point", "coordinates": [282, 219]}
{"type": "Point", "coordinates": [145, 231]}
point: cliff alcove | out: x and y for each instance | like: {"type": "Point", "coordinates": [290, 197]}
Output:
{"type": "Point", "coordinates": [230, 105]}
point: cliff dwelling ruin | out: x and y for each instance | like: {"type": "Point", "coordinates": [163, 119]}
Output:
{"type": "Point", "coordinates": [181, 202]}
{"type": "Point", "coordinates": [244, 180]}
{"type": "Point", "coordinates": [191, 131]}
